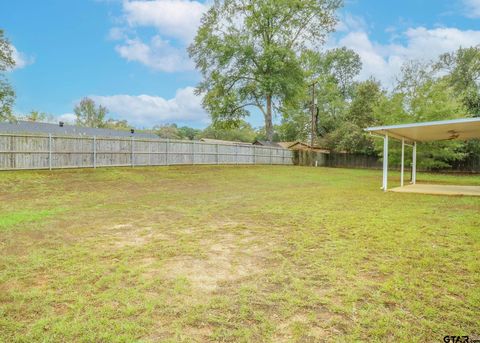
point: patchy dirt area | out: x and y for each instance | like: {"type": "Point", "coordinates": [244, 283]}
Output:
{"type": "Point", "coordinates": [129, 235]}
{"type": "Point", "coordinates": [222, 262]}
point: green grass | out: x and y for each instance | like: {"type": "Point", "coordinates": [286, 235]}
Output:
{"type": "Point", "coordinates": [13, 219]}
{"type": "Point", "coordinates": [249, 254]}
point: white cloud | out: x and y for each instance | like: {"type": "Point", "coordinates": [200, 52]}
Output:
{"type": "Point", "coordinates": [173, 18]}
{"type": "Point", "coordinates": [472, 8]}
{"type": "Point", "coordinates": [149, 110]}
{"type": "Point", "coordinates": [21, 60]}
{"type": "Point", "coordinates": [383, 61]}
{"type": "Point", "coordinates": [158, 54]}
{"type": "Point", "coordinates": [117, 33]}
{"type": "Point", "coordinates": [175, 22]}
{"type": "Point", "coordinates": [348, 22]}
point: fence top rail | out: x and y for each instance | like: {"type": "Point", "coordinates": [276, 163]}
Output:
{"type": "Point", "coordinates": [47, 136]}
{"type": "Point", "coordinates": [159, 140]}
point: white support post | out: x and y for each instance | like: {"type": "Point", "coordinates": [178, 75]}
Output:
{"type": "Point", "coordinates": [236, 153]}
{"type": "Point", "coordinates": [385, 162]}
{"type": "Point", "coordinates": [414, 163]}
{"type": "Point", "coordinates": [402, 168]}
{"type": "Point", "coordinates": [94, 152]}
{"type": "Point", "coordinates": [50, 151]}
{"type": "Point", "coordinates": [271, 155]}
{"type": "Point", "coordinates": [218, 156]}
{"type": "Point", "coordinates": [254, 154]}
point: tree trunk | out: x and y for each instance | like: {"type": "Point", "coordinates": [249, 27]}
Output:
{"type": "Point", "coordinates": [268, 119]}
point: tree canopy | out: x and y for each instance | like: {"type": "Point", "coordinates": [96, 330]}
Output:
{"type": "Point", "coordinates": [36, 116]}
{"type": "Point", "coordinates": [249, 53]}
{"type": "Point", "coordinates": [424, 91]}
{"type": "Point", "coordinates": [89, 115]}
{"type": "Point", "coordinates": [463, 68]}
{"type": "Point", "coordinates": [7, 94]}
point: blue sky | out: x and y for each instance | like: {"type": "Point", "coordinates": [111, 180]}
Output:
{"type": "Point", "coordinates": [130, 55]}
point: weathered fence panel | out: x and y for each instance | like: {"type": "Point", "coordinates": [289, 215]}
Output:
{"type": "Point", "coordinates": [312, 158]}
{"type": "Point", "coordinates": [18, 151]}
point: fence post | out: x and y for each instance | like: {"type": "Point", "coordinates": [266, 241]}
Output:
{"type": "Point", "coordinates": [236, 153]}
{"type": "Point", "coordinates": [166, 151]}
{"type": "Point", "coordinates": [149, 152]}
{"type": "Point", "coordinates": [132, 153]}
{"type": "Point", "coordinates": [271, 152]}
{"type": "Point", "coordinates": [50, 151]}
{"type": "Point", "coordinates": [218, 156]}
{"type": "Point", "coordinates": [193, 152]}
{"type": "Point", "coordinates": [13, 153]}
{"type": "Point", "coordinates": [254, 154]}
{"type": "Point", "coordinates": [94, 152]}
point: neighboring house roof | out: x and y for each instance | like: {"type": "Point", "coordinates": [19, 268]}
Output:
{"type": "Point", "coordinates": [286, 145]}
{"type": "Point", "coordinates": [69, 130]}
{"type": "Point", "coordinates": [267, 143]}
{"type": "Point", "coordinates": [219, 141]}
{"type": "Point", "coordinates": [297, 145]}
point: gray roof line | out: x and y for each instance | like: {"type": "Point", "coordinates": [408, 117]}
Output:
{"type": "Point", "coordinates": [69, 130]}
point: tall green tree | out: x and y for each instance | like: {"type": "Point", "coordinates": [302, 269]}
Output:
{"type": "Point", "coordinates": [248, 52]}
{"type": "Point", "coordinates": [333, 73]}
{"type": "Point", "coordinates": [89, 114]}
{"type": "Point", "coordinates": [348, 134]}
{"type": "Point", "coordinates": [294, 126]}
{"type": "Point", "coordinates": [463, 67]}
{"type": "Point", "coordinates": [361, 111]}
{"type": "Point", "coordinates": [7, 94]}
{"type": "Point", "coordinates": [420, 96]}
{"type": "Point", "coordinates": [341, 65]}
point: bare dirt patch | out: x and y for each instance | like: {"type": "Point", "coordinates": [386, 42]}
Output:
{"type": "Point", "coordinates": [130, 235]}
{"type": "Point", "coordinates": [224, 261]}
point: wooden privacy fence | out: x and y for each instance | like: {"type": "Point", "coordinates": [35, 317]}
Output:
{"type": "Point", "coordinates": [19, 151]}
{"type": "Point", "coordinates": [320, 159]}
{"type": "Point", "coordinates": [470, 164]}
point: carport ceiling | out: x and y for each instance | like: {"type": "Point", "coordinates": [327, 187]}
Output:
{"type": "Point", "coordinates": [457, 129]}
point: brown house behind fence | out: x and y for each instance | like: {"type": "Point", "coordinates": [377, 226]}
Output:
{"type": "Point", "coordinates": [294, 146]}
{"type": "Point", "coordinates": [267, 143]}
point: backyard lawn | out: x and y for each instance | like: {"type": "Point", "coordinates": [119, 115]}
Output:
{"type": "Point", "coordinates": [234, 253]}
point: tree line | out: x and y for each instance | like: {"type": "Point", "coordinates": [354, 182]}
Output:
{"type": "Point", "coordinates": [268, 56]}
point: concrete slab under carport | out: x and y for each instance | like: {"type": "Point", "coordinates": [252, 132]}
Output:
{"type": "Point", "coordinates": [438, 189]}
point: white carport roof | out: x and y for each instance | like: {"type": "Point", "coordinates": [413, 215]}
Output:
{"type": "Point", "coordinates": [460, 129]}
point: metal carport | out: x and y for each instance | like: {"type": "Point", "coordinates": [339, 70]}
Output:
{"type": "Point", "coordinates": [411, 134]}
